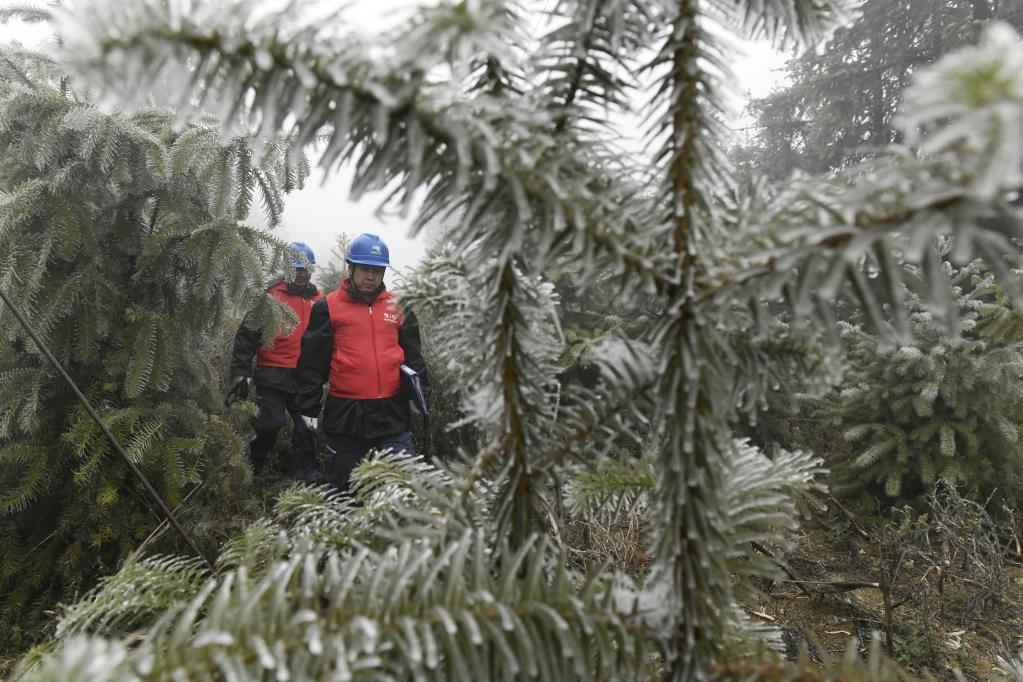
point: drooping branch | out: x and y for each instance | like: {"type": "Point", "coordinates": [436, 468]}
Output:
{"type": "Point", "coordinates": [385, 123]}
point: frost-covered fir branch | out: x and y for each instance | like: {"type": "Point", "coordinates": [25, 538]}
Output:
{"type": "Point", "coordinates": [792, 22]}
{"type": "Point", "coordinates": [427, 606]}
{"type": "Point", "coordinates": [484, 45]}
{"type": "Point", "coordinates": [116, 243]}
{"type": "Point", "coordinates": [518, 199]}
{"type": "Point", "coordinates": [446, 616]}
{"type": "Point", "coordinates": [689, 520]}
{"type": "Point", "coordinates": [694, 392]}
{"type": "Point", "coordinates": [589, 60]}
{"type": "Point", "coordinates": [610, 487]}
{"type": "Point", "coordinates": [481, 155]}
{"type": "Point", "coordinates": [560, 424]}
{"type": "Point", "coordinates": [932, 407]}
{"type": "Point", "coordinates": [503, 344]}
{"type": "Point", "coordinates": [762, 497]}
{"type": "Point", "coordinates": [957, 178]}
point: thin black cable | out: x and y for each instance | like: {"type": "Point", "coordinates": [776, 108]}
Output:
{"type": "Point", "coordinates": [168, 514]}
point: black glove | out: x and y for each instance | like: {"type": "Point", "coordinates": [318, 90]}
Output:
{"type": "Point", "coordinates": [239, 390]}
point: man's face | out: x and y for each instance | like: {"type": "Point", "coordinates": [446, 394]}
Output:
{"type": "Point", "coordinates": [367, 278]}
{"type": "Point", "coordinates": [302, 276]}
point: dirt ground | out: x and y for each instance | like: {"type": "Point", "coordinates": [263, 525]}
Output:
{"type": "Point", "coordinates": [833, 593]}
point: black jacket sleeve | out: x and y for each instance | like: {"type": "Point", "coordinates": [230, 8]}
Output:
{"type": "Point", "coordinates": [314, 362]}
{"type": "Point", "coordinates": [246, 343]}
{"type": "Point", "coordinates": [411, 342]}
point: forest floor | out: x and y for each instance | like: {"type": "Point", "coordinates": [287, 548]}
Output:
{"type": "Point", "coordinates": [943, 618]}
{"type": "Point", "coordinates": [954, 594]}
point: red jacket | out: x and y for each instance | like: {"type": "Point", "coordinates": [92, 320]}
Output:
{"type": "Point", "coordinates": [366, 355]}
{"type": "Point", "coordinates": [286, 348]}
{"type": "Point", "coordinates": [356, 344]}
{"type": "Point", "coordinates": [275, 365]}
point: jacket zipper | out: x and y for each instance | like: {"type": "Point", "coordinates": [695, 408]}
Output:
{"type": "Point", "coordinates": [376, 356]}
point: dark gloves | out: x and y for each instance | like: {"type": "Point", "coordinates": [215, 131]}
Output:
{"type": "Point", "coordinates": [239, 390]}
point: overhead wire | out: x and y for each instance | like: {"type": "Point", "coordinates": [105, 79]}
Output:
{"type": "Point", "coordinates": [150, 490]}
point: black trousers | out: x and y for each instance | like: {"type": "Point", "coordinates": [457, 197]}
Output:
{"type": "Point", "coordinates": [344, 453]}
{"type": "Point", "coordinates": [273, 405]}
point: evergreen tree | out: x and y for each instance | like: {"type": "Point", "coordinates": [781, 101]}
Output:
{"type": "Point", "coordinates": [591, 313]}
{"type": "Point", "coordinates": [335, 270]}
{"type": "Point", "coordinates": [934, 407]}
{"type": "Point", "coordinates": [373, 599]}
{"type": "Point", "coordinates": [840, 103]}
{"type": "Point", "coordinates": [120, 241]}
{"type": "Point", "coordinates": [528, 180]}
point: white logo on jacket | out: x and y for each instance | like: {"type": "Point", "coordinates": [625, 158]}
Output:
{"type": "Point", "coordinates": [391, 317]}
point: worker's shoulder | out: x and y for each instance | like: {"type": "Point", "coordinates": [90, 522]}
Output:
{"type": "Point", "coordinates": [276, 283]}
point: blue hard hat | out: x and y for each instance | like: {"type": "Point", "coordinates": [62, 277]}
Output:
{"type": "Point", "coordinates": [368, 249]}
{"type": "Point", "coordinates": [302, 255]}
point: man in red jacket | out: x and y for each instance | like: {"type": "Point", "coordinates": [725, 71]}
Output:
{"type": "Point", "coordinates": [275, 375]}
{"type": "Point", "coordinates": [357, 340]}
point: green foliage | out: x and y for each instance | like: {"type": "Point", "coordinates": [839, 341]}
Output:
{"type": "Point", "coordinates": [611, 486]}
{"type": "Point", "coordinates": [525, 180]}
{"type": "Point", "coordinates": [374, 594]}
{"type": "Point", "coordinates": [933, 407]}
{"type": "Point", "coordinates": [441, 600]}
{"type": "Point", "coordinates": [592, 312]}
{"type": "Point", "coordinates": [764, 495]}
{"type": "Point", "coordinates": [116, 243]}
